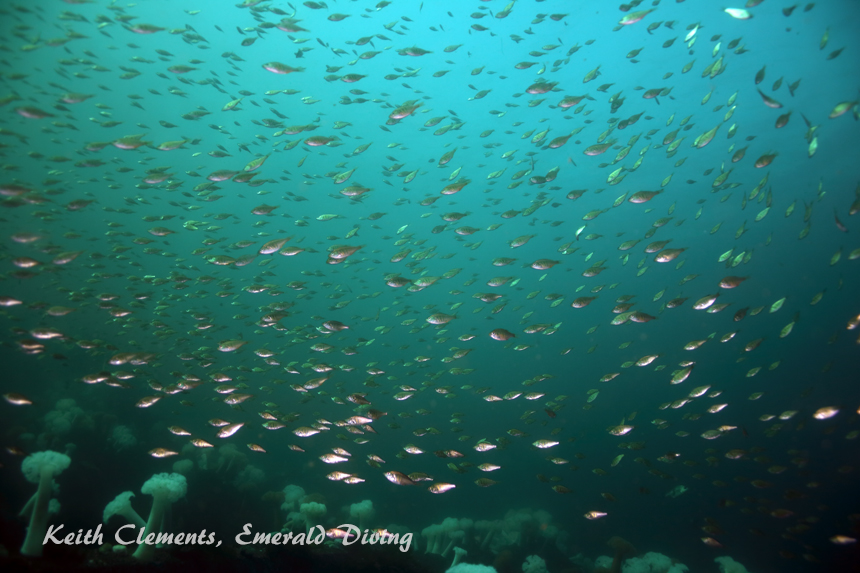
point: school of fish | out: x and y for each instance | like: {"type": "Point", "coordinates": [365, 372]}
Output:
{"type": "Point", "coordinates": [402, 237]}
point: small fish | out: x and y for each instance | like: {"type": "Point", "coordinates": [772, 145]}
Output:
{"type": "Point", "coordinates": [634, 17]}
{"type": "Point", "coordinates": [398, 478]}
{"type": "Point", "coordinates": [17, 399]}
{"type": "Point", "coordinates": [255, 163]}
{"type": "Point", "coordinates": [738, 13]}
{"type": "Point", "coordinates": [147, 401]}
{"type": "Point", "coordinates": [839, 224]}
{"type": "Point", "coordinates": [439, 487]}
{"type": "Point", "coordinates": [229, 430]}
{"type": "Point", "coordinates": [162, 453]}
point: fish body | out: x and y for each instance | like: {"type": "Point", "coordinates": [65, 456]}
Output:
{"type": "Point", "coordinates": [279, 68]}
